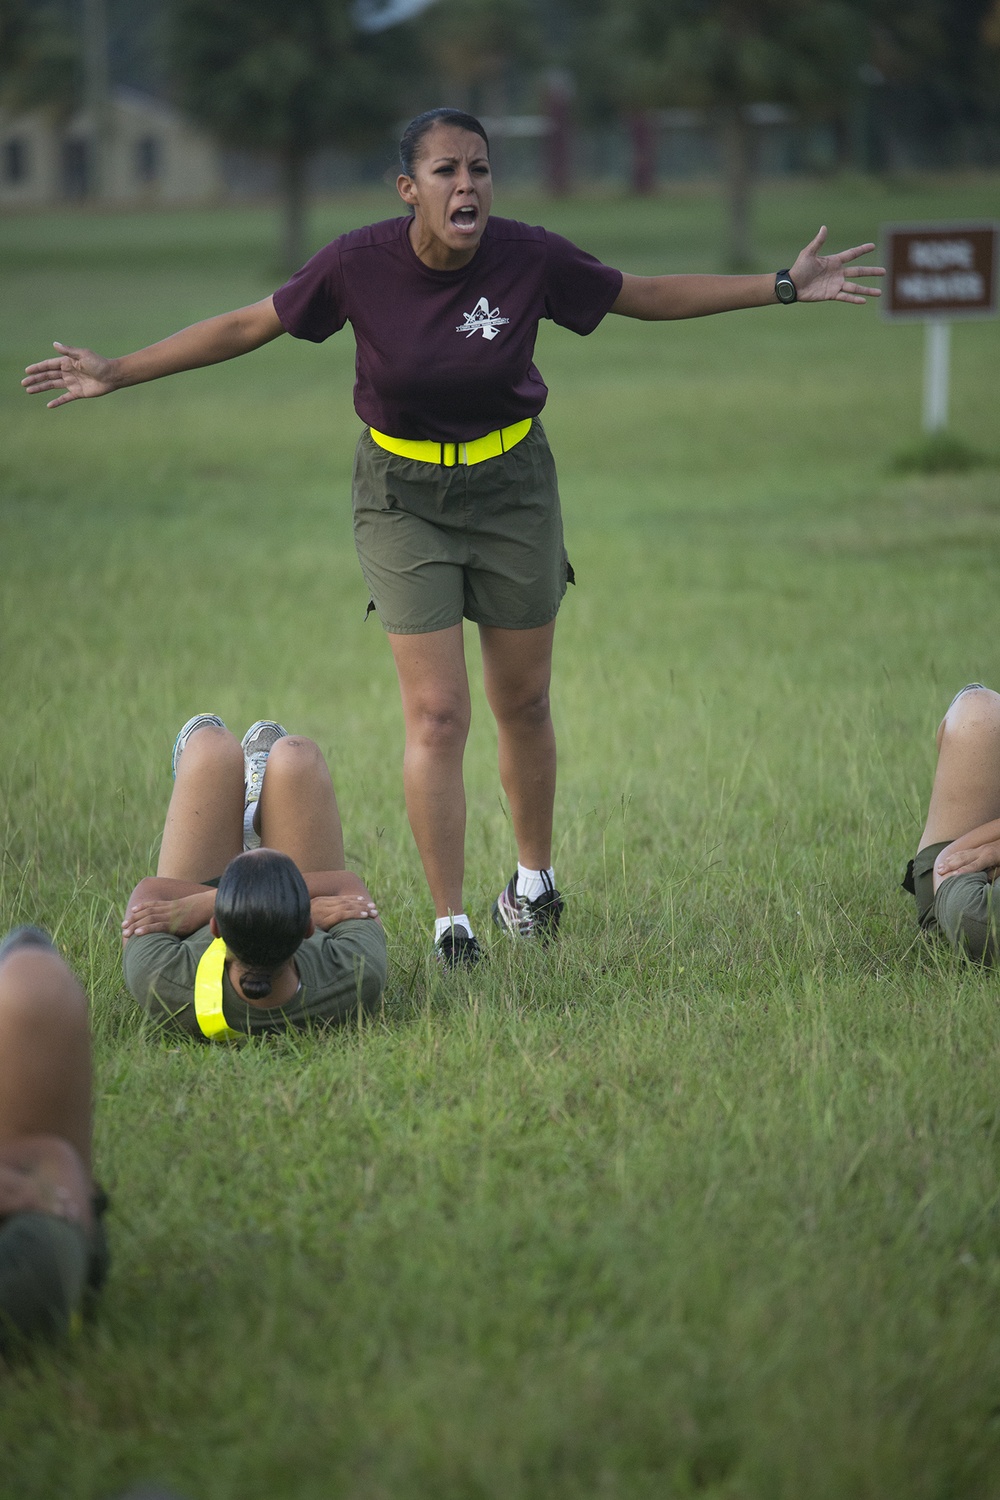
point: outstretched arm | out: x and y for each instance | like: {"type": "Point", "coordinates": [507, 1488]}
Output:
{"type": "Point", "coordinates": [79, 373]}
{"type": "Point", "coordinates": [817, 278]}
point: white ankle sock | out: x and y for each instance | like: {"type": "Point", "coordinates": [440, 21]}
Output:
{"type": "Point", "coordinates": [535, 883]}
{"type": "Point", "coordinates": [445, 924]}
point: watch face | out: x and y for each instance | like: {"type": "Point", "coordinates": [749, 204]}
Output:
{"type": "Point", "coordinates": [785, 290]}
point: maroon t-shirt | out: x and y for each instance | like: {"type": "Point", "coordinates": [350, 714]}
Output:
{"type": "Point", "coordinates": [446, 354]}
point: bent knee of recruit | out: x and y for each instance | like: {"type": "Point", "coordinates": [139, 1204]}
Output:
{"type": "Point", "coordinates": [976, 711]}
{"type": "Point", "coordinates": [37, 989]}
{"type": "Point", "coordinates": [295, 754]}
{"type": "Point", "coordinates": [210, 744]}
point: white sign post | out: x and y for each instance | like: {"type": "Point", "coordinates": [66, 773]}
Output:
{"type": "Point", "coordinates": [937, 371]}
{"type": "Point", "coordinates": [937, 273]}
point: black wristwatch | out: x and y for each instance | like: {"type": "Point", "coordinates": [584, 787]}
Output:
{"type": "Point", "coordinates": [784, 287]}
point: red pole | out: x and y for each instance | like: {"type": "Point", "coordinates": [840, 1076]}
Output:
{"type": "Point", "coordinates": [558, 94]}
{"type": "Point", "coordinates": [643, 136]}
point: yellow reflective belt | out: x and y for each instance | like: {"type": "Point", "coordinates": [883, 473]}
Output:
{"type": "Point", "coordinates": [451, 454]}
{"type": "Point", "coordinates": [208, 993]}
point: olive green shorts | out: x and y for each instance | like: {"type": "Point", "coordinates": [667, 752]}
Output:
{"type": "Point", "coordinates": [482, 541]}
{"type": "Point", "coordinates": [965, 910]}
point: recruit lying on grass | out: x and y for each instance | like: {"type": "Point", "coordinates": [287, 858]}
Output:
{"type": "Point", "coordinates": [251, 923]}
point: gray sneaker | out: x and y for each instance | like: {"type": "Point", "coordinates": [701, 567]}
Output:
{"type": "Point", "coordinates": [258, 743]}
{"type": "Point", "coordinates": [198, 722]}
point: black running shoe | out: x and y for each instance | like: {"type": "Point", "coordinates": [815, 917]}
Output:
{"type": "Point", "coordinates": [455, 949]}
{"type": "Point", "coordinates": [524, 918]}
{"type": "Point", "coordinates": [43, 1273]}
{"type": "Point", "coordinates": [26, 937]}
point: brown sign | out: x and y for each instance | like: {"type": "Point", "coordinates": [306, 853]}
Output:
{"type": "Point", "coordinates": [940, 270]}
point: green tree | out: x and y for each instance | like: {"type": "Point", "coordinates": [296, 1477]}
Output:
{"type": "Point", "coordinates": [939, 62]}
{"type": "Point", "coordinates": [724, 57]}
{"type": "Point", "coordinates": [40, 65]}
{"type": "Point", "coordinates": [286, 79]}
{"type": "Point", "coordinates": [472, 49]}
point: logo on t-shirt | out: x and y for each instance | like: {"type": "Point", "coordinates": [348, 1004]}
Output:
{"type": "Point", "coordinates": [482, 317]}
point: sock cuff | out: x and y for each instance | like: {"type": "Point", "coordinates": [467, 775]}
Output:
{"type": "Point", "coordinates": [445, 924]}
{"type": "Point", "coordinates": [535, 883]}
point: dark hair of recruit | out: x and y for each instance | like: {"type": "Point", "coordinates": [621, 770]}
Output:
{"type": "Point", "coordinates": [262, 912]}
{"type": "Point", "coordinates": [413, 135]}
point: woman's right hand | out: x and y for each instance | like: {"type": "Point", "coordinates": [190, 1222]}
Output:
{"type": "Point", "coordinates": [78, 373]}
{"type": "Point", "coordinates": [180, 917]}
{"type": "Point", "coordinates": [972, 861]}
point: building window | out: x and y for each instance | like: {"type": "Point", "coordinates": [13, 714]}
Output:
{"type": "Point", "coordinates": [15, 160]}
{"type": "Point", "coordinates": [76, 167]}
{"type": "Point", "coordinates": [148, 159]}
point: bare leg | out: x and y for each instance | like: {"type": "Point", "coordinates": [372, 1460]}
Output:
{"type": "Point", "coordinates": [44, 1086]}
{"type": "Point", "coordinates": [966, 791]}
{"type": "Point", "coordinates": [517, 669]}
{"type": "Point", "coordinates": [437, 712]}
{"type": "Point", "coordinates": [298, 806]}
{"type": "Point", "coordinates": [204, 826]}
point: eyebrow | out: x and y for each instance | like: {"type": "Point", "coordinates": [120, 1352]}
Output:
{"type": "Point", "coordinates": [439, 161]}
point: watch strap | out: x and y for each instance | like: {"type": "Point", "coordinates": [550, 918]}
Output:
{"type": "Point", "coordinates": [784, 280]}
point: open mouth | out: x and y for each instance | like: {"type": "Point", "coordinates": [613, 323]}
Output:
{"type": "Point", "coordinates": [466, 217]}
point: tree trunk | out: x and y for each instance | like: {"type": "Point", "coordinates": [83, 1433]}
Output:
{"type": "Point", "coordinates": [97, 99]}
{"type": "Point", "coordinates": [558, 94]}
{"type": "Point", "coordinates": [642, 133]}
{"type": "Point", "coordinates": [738, 154]}
{"type": "Point", "coordinates": [293, 194]}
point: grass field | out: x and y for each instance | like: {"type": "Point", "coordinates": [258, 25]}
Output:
{"type": "Point", "coordinates": [705, 1199]}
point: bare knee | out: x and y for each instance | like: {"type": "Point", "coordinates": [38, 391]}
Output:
{"type": "Point", "coordinates": [528, 710]}
{"type": "Point", "coordinates": [439, 723]}
{"type": "Point", "coordinates": [210, 748]}
{"type": "Point", "coordinates": [294, 756]}
{"type": "Point", "coordinates": [974, 715]}
{"type": "Point", "coordinates": [38, 992]}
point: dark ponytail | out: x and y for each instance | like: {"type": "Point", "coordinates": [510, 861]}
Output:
{"type": "Point", "coordinates": [255, 984]}
{"type": "Point", "coordinates": [262, 912]}
{"type": "Point", "coordinates": [413, 135]}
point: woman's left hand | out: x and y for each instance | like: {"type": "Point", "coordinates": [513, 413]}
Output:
{"type": "Point", "coordinates": [327, 911]}
{"type": "Point", "coordinates": [180, 917]}
{"type": "Point", "coordinates": [822, 278]}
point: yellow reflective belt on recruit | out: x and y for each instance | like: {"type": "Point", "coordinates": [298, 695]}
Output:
{"type": "Point", "coordinates": [208, 993]}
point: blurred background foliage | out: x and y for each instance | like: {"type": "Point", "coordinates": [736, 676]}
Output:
{"type": "Point", "coordinates": [571, 89]}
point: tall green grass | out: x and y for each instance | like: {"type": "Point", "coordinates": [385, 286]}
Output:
{"type": "Point", "coordinates": [704, 1199]}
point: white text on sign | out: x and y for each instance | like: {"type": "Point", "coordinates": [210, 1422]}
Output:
{"type": "Point", "coordinates": [952, 277]}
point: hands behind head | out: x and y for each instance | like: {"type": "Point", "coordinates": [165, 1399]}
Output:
{"type": "Point", "coordinates": [327, 911]}
{"type": "Point", "coordinates": [180, 917]}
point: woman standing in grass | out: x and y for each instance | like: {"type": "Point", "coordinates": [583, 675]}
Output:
{"type": "Point", "coordinates": [227, 942]}
{"type": "Point", "coordinates": [456, 505]}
